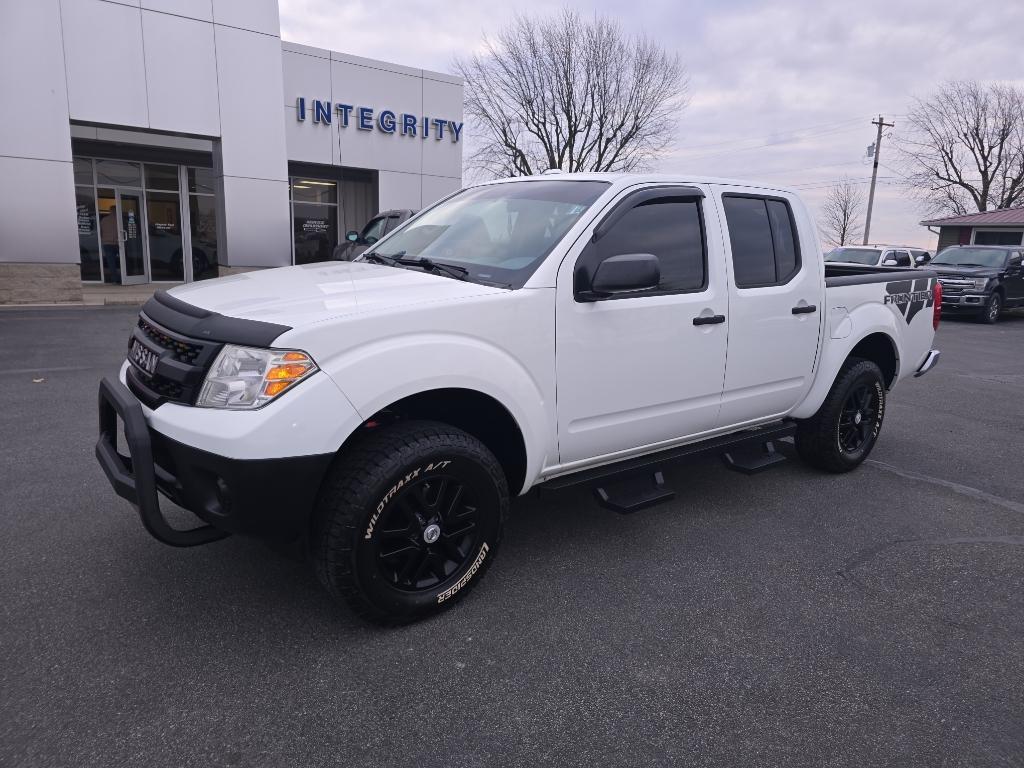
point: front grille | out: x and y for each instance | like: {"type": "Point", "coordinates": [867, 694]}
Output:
{"type": "Point", "coordinates": [953, 288]}
{"type": "Point", "coordinates": [183, 351]}
{"type": "Point", "coordinates": [181, 366]}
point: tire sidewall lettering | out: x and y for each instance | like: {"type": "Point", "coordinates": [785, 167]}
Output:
{"type": "Point", "coordinates": [403, 481]}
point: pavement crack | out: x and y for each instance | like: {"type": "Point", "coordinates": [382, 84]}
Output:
{"type": "Point", "coordinates": [963, 490]}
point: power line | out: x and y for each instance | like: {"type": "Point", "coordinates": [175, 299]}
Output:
{"type": "Point", "coordinates": [766, 138]}
{"type": "Point", "coordinates": [769, 144]}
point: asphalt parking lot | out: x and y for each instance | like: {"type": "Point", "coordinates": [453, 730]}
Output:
{"type": "Point", "coordinates": [790, 618]}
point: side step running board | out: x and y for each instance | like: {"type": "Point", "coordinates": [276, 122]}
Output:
{"type": "Point", "coordinates": [633, 484]}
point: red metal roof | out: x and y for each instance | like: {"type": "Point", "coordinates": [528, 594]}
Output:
{"type": "Point", "coordinates": [1005, 217]}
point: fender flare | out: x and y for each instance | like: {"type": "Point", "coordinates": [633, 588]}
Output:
{"type": "Point", "coordinates": [447, 361]}
{"type": "Point", "coordinates": [867, 319]}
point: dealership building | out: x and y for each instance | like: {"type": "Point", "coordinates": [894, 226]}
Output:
{"type": "Point", "coordinates": [177, 140]}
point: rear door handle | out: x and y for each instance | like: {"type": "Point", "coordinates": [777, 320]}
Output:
{"type": "Point", "coordinates": [709, 320]}
{"type": "Point", "coordinates": [805, 310]}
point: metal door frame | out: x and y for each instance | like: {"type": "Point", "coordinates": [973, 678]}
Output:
{"type": "Point", "coordinates": [143, 235]}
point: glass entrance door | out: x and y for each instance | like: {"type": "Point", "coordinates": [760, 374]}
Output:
{"type": "Point", "coordinates": [120, 225]}
{"type": "Point", "coordinates": [133, 257]}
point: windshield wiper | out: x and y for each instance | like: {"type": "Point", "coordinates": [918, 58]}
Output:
{"type": "Point", "coordinates": [969, 264]}
{"type": "Point", "coordinates": [378, 258]}
{"type": "Point", "coordinates": [429, 265]}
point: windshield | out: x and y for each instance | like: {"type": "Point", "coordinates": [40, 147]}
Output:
{"type": "Point", "coordinates": [854, 255]}
{"type": "Point", "coordinates": [498, 233]}
{"type": "Point", "coordinates": [972, 257]}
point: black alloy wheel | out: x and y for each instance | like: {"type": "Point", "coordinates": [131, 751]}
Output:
{"type": "Point", "coordinates": [428, 533]}
{"type": "Point", "coordinates": [845, 428]}
{"type": "Point", "coordinates": [994, 305]}
{"type": "Point", "coordinates": [857, 418]}
{"type": "Point", "coordinates": [408, 520]}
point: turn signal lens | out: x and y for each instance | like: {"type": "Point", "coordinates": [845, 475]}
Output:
{"type": "Point", "coordinates": [937, 301]}
{"type": "Point", "coordinates": [293, 371]}
{"type": "Point", "coordinates": [275, 388]}
{"type": "Point", "coordinates": [244, 378]}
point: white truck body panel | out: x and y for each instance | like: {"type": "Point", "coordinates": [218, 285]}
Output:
{"type": "Point", "coordinates": [586, 383]}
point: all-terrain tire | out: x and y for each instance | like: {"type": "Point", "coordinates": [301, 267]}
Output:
{"type": "Point", "coordinates": [844, 430]}
{"type": "Point", "coordinates": [408, 520]}
{"type": "Point", "coordinates": [990, 314]}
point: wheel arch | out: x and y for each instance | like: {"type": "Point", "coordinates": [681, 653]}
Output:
{"type": "Point", "coordinates": [470, 410]}
{"type": "Point", "coordinates": [877, 344]}
{"type": "Point", "coordinates": [881, 349]}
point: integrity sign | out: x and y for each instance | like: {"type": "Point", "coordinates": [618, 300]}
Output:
{"type": "Point", "coordinates": [386, 120]}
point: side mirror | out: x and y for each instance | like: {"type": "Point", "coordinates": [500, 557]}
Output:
{"type": "Point", "coordinates": [924, 258]}
{"type": "Point", "coordinates": [889, 263]}
{"type": "Point", "coordinates": [352, 236]}
{"type": "Point", "coordinates": [625, 273]}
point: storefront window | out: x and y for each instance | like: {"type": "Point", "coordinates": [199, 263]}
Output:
{"type": "Point", "coordinates": [203, 216]}
{"type": "Point", "coordinates": [162, 177]}
{"type": "Point", "coordinates": [118, 173]}
{"type": "Point", "coordinates": [88, 236]}
{"type": "Point", "coordinates": [314, 219]}
{"type": "Point", "coordinates": [83, 171]}
{"type": "Point", "coordinates": [201, 181]}
{"type": "Point", "coordinates": [163, 215]}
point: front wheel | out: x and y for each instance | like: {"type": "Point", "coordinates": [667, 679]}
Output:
{"type": "Point", "coordinates": [990, 314]}
{"type": "Point", "coordinates": [408, 521]}
{"type": "Point", "coordinates": [844, 430]}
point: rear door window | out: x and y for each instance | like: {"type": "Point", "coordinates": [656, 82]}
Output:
{"type": "Point", "coordinates": [765, 250]}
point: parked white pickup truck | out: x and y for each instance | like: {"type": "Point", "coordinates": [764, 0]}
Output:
{"type": "Point", "coordinates": [530, 332]}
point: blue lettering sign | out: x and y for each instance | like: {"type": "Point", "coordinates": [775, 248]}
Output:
{"type": "Point", "coordinates": [321, 112]}
{"type": "Point", "coordinates": [408, 125]}
{"type": "Point", "coordinates": [387, 121]}
{"type": "Point", "coordinates": [365, 119]}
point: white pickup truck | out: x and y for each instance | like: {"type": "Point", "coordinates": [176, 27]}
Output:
{"type": "Point", "coordinates": [537, 332]}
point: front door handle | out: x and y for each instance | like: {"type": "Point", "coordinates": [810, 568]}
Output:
{"type": "Point", "coordinates": [805, 310]}
{"type": "Point", "coordinates": [709, 320]}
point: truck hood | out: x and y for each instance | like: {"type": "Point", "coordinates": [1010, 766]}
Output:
{"type": "Point", "coordinates": [301, 295]}
{"type": "Point", "coordinates": [949, 270]}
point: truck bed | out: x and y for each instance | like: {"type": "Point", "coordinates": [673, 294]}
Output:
{"type": "Point", "coordinates": [858, 274]}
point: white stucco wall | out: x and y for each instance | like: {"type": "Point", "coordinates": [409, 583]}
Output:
{"type": "Point", "coordinates": [211, 70]}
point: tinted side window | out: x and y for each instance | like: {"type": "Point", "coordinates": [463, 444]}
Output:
{"type": "Point", "coordinates": [902, 258]}
{"type": "Point", "coordinates": [764, 245]}
{"type": "Point", "coordinates": [668, 227]}
{"type": "Point", "coordinates": [787, 258]}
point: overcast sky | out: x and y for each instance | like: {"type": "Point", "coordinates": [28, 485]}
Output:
{"type": "Point", "coordinates": [782, 91]}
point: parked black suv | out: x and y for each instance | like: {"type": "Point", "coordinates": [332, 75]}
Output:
{"type": "Point", "coordinates": [980, 279]}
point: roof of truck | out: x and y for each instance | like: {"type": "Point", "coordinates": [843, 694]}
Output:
{"type": "Point", "coordinates": [644, 178]}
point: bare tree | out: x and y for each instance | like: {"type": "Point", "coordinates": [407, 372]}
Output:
{"type": "Point", "coordinates": [964, 150]}
{"type": "Point", "coordinates": [841, 213]}
{"type": "Point", "coordinates": [570, 93]}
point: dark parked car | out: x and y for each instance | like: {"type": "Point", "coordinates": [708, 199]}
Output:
{"type": "Point", "coordinates": [357, 242]}
{"type": "Point", "coordinates": [980, 279]}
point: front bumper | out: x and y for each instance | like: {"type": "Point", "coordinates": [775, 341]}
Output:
{"type": "Point", "coordinates": [270, 498]}
{"type": "Point", "coordinates": [969, 301]}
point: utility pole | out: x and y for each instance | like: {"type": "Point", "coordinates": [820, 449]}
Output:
{"type": "Point", "coordinates": [880, 122]}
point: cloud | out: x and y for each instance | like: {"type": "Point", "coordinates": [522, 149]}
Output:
{"type": "Point", "coordinates": [783, 92]}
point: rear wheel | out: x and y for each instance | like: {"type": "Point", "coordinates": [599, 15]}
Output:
{"type": "Point", "coordinates": [990, 314]}
{"type": "Point", "coordinates": [844, 430]}
{"type": "Point", "coordinates": [409, 520]}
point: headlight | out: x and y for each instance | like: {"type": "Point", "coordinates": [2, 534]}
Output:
{"type": "Point", "coordinates": [247, 378]}
{"type": "Point", "coordinates": [980, 283]}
